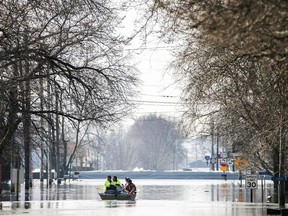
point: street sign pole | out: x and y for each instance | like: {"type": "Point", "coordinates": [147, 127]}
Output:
{"type": "Point", "coordinates": [251, 183]}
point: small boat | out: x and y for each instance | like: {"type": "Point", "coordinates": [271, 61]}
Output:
{"type": "Point", "coordinates": [119, 196]}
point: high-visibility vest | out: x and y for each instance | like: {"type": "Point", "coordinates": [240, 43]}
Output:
{"type": "Point", "coordinates": [106, 184]}
{"type": "Point", "coordinates": [116, 183]}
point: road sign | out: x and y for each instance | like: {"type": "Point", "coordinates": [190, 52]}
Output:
{"type": "Point", "coordinates": [231, 161]}
{"type": "Point", "coordinates": [251, 181]}
{"type": "Point", "coordinates": [223, 168]}
{"type": "Point", "coordinates": [213, 160]}
{"type": "Point", "coordinates": [241, 163]}
{"type": "Point", "coordinates": [223, 154]}
{"type": "Point", "coordinates": [223, 163]}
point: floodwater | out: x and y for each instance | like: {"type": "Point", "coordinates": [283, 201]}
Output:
{"type": "Point", "coordinates": [154, 197]}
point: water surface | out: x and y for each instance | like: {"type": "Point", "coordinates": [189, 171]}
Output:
{"type": "Point", "coordinates": [154, 197]}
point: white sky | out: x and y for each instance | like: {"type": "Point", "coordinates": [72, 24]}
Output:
{"type": "Point", "coordinates": [158, 92]}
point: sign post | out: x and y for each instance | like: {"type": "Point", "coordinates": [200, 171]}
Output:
{"type": "Point", "coordinates": [251, 182]}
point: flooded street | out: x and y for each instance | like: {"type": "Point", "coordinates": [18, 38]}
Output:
{"type": "Point", "coordinates": [154, 197]}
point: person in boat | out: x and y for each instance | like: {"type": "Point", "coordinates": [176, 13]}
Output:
{"type": "Point", "coordinates": [126, 182]}
{"type": "Point", "coordinates": [108, 186]}
{"type": "Point", "coordinates": [116, 182]}
{"type": "Point", "coordinates": [130, 187]}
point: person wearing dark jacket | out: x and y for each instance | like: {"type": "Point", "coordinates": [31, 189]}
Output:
{"type": "Point", "coordinates": [130, 187]}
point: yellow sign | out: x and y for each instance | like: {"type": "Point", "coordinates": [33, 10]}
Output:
{"type": "Point", "coordinates": [240, 163]}
{"type": "Point", "coordinates": [223, 168]}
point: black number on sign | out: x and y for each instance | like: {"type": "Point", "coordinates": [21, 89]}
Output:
{"type": "Point", "coordinates": [251, 184]}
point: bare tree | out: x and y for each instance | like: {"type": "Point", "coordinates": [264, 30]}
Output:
{"type": "Point", "coordinates": [74, 48]}
{"type": "Point", "coordinates": [158, 143]}
{"type": "Point", "coordinates": [233, 57]}
{"type": "Point", "coordinates": [119, 150]}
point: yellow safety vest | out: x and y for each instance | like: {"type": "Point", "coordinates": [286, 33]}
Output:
{"type": "Point", "coordinates": [117, 183]}
{"type": "Point", "coordinates": [106, 184]}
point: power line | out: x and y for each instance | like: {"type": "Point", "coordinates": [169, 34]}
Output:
{"type": "Point", "coordinates": [158, 102]}
{"type": "Point", "coordinates": [163, 96]}
{"type": "Point", "coordinates": [151, 48]}
{"type": "Point", "coordinates": [147, 112]}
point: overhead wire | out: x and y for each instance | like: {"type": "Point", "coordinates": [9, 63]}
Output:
{"type": "Point", "coordinates": [164, 96]}
{"type": "Point", "coordinates": [151, 48]}
{"type": "Point", "coordinates": [157, 103]}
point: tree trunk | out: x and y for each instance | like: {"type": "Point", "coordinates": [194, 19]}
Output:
{"type": "Point", "coordinates": [26, 134]}
{"type": "Point", "coordinates": [64, 142]}
{"type": "Point", "coordinates": [57, 138]}
{"type": "Point", "coordinates": [276, 172]}
{"type": "Point", "coordinates": [281, 186]}
{"type": "Point", "coordinates": [42, 129]}
{"type": "Point", "coordinates": [26, 119]}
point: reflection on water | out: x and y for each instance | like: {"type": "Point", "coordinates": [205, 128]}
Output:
{"type": "Point", "coordinates": [119, 203]}
{"type": "Point", "coordinates": [218, 195]}
{"type": "Point", "coordinates": [215, 191]}
{"type": "Point", "coordinates": [204, 190]}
